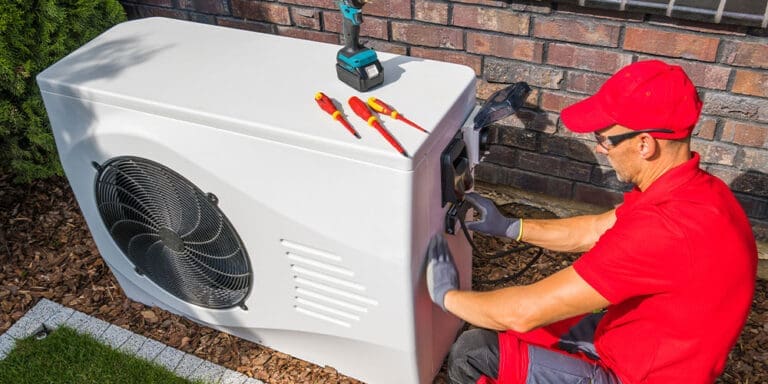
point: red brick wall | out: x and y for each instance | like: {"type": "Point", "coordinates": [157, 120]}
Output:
{"type": "Point", "coordinates": [564, 52]}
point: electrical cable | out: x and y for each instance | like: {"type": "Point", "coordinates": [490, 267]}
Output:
{"type": "Point", "coordinates": [500, 254]}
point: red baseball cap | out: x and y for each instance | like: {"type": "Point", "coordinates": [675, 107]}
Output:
{"type": "Point", "coordinates": [643, 95]}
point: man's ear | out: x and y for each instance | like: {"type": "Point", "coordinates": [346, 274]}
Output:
{"type": "Point", "coordinates": [648, 146]}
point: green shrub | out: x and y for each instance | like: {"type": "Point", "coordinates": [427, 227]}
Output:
{"type": "Point", "coordinates": [33, 35]}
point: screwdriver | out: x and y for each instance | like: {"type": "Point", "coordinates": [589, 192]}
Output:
{"type": "Point", "coordinates": [381, 107]}
{"type": "Point", "coordinates": [360, 109]}
{"type": "Point", "coordinates": [327, 105]}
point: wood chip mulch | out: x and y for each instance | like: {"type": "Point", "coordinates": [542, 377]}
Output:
{"type": "Point", "coordinates": [47, 251]}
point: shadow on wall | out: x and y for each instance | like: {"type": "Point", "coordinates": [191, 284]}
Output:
{"type": "Point", "coordinates": [526, 154]}
{"type": "Point", "coordinates": [751, 188]}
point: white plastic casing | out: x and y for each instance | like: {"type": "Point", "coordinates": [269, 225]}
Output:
{"type": "Point", "coordinates": [336, 227]}
{"type": "Point", "coordinates": [472, 139]}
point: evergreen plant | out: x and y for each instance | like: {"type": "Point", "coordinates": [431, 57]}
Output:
{"type": "Point", "coordinates": [33, 35]}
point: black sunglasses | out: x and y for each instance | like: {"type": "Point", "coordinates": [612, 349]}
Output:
{"type": "Point", "coordinates": [609, 142]}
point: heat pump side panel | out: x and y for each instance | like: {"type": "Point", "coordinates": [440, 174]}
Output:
{"type": "Point", "coordinates": [437, 329]}
{"type": "Point", "coordinates": [292, 207]}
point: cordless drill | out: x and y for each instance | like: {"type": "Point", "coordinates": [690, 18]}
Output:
{"type": "Point", "coordinates": [356, 65]}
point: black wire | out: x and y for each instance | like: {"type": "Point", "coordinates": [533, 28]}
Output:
{"type": "Point", "coordinates": [515, 275]}
{"type": "Point", "coordinates": [500, 254]}
{"type": "Point", "coordinates": [490, 256]}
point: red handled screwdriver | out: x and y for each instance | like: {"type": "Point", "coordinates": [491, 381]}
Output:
{"type": "Point", "coordinates": [381, 107]}
{"type": "Point", "coordinates": [327, 105]}
{"type": "Point", "coordinates": [360, 109]}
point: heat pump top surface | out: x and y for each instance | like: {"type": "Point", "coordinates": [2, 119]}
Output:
{"type": "Point", "coordinates": [261, 87]}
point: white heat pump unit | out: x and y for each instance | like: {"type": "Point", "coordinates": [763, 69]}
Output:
{"type": "Point", "coordinates": [216, 188]}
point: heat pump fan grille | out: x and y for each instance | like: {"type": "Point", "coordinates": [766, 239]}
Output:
{"type": "Point", "coordinates": [172, 232]}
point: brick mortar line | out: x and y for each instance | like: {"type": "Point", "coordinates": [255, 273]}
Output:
{"type": "Point", "coordinates": [505, 194]}
{"type": "Point", "coordinates": [47, 315]}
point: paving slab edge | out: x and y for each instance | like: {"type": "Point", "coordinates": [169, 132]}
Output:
{"type": "Point", "coordinates": [47, 315]}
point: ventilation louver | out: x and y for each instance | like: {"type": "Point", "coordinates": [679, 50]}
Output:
{"type": "Point", "coordinates": [172, 232]}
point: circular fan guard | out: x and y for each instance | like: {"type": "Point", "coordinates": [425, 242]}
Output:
{"type": "Point", "coordinates": [173, 233]}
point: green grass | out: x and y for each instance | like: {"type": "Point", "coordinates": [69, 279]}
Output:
{"type": "Point", "coordinates": [65, 356]}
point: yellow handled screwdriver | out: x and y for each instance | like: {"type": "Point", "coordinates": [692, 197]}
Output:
{"type": "Point", "coordinates": [381, 107]}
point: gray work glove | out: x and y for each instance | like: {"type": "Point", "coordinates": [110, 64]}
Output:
{"type": "Point", "coordinates": [491, 221]}
{"type": "Point", "coordinates": [442, 275]}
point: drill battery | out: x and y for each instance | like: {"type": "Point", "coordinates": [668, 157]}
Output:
{"type": "Point", "coordinates": [362, 71]}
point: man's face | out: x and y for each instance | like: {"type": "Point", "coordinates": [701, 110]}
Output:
{"type": "Point", "coordinates": [619, 155]}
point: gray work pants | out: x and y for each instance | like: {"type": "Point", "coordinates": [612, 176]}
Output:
{"type": "Point", "coordinates": [476, 354]}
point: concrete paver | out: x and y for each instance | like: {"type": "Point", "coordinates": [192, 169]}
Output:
{"type": "Point", "coordinates": [52, 315]}
{"type": "Point", "coordinates": [208, 372]}
{"type": "Point", "coordinates": [133, 344]}
{"type": "Point", "coordinates": [150, 350]}
{"type": "Point", "coordinates": [115, 336]}
{"type": "Point", "coordinates": [94, 327]}
{"type": "Point", "coordinates": [169, 358]}
{"type": "Point", "coordinates": [6, 345]}
{"type": "Point", "coordinates": [187, 365]}
{"type": "Point", "coordinates": [233, 377]}
{"type": "Point", "coordinates": [77, 321]}
{"type": "Point", "coordinates": [59, 318]}
{"type": "Point", "coordinates": [44, 310]}
{"type": "Point", "coordinates": [22, 328]}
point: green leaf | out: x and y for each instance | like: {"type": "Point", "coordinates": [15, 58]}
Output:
{"type": "Point", "coordinates": [33, 36]}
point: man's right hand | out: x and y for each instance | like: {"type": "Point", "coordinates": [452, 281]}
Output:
{"type": "Point", "coordinates": [491, 221]}
{"type": "Point", "coordinates": [442, 275]}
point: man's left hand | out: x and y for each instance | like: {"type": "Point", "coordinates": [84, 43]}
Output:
{"type": "Point", "coordinates": [442, 275]}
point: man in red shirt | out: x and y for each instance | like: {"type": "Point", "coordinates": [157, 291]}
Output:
{"type": "Point", "coordinates": [673, 266]}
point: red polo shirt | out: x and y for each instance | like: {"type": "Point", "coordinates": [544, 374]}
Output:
{"type": "Point", "coordinates": [678, 267]}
